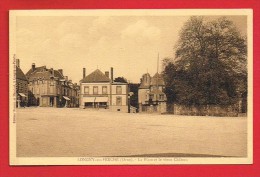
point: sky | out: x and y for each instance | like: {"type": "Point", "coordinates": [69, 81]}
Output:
{"type": "Point", "coordinates": [129, 44]}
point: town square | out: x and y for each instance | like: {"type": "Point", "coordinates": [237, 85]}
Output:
{"type": "Point", "coordinates": [74, 132]}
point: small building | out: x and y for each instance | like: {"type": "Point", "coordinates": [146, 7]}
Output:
{"type": "Point", "coordinates": [49, 88]}
{"type": "Point", "coordinates": [98, 91]}
{"type": "Point", "coordinates": [21, 87]}
{"type": "Point", "coordinates": [151, 96]}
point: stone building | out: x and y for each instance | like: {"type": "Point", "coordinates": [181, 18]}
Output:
{"type": "Point", "coordinates": [97, 90]}
{"type": "Point", "coordinates": [151, 97]}
{"type": "Point", "coordinates": [21, 87]}
{"type": "Point", "coordinates": [50, 88]}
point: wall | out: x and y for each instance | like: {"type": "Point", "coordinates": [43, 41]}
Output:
{"type": "Point", "coordinates": [142, 95]}
{"type": "Point", "coordinates": [229, 111]}
{"type": "Point", "coordinates": [91, 85]}
{"type": "Point", "coordinates": [112, 97]}
{"type": "Point", "coordinates": [21, 87]}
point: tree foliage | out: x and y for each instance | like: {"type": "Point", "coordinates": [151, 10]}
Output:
{"type": "Point", "coordinates": [120, 79]}
{"type": "Point", "coordinates": [210, 65]}
{"type": "Point", "coordinates": [134, 98]}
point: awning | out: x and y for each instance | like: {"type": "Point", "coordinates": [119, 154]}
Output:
{"type": "Point", "coordinates": [89, 99]}
{"type": "Point", "coordinates": [101, 99]}
{"type": "Point", "coordinates": [23, 95]}
{"type": "Point", "coordinates": [66, 98]}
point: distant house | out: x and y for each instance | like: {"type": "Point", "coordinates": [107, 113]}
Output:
{"type": "Point", "coordinates": [21, 86]}
{"type": "Point", "coordinates": [97, 90]}
{"type": "Point", "coordinates": [49, 88]}
{"type": "Point", "coordinates": [151, 97]}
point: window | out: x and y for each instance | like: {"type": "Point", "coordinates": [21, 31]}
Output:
{"type": "Point", "coordinates": [43, 89]}
{"type": "Point", "coordinates": [154, 88]}
{"type": "Point", "coordinates": [95, 90]}
{"type": "Point", "coordinates": [151, 96]}
{"type": "Point", "coordinates": [51, 90]}
{"type": "Point", "coordinates": [119, 101]}
{"type": "Point", "coordinates": [118, 90]}
{"type": "Point", "coordinates": [86, 90]}
{"type": "Point", "coordinates": [104, 90]}
{"type": "Point", "coordinates": [52, 83]}
{"type": "Point", "coordinates": [161, 97]}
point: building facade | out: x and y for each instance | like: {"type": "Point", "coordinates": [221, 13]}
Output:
{"type": "Point", "coordinates": [151, 96]}
{"type": "Point", "coordinates": [97, 91]}
{"type": "Point", "coordinates": [21, 87]}
{"type": "Point", "coordinates": [49, 88]}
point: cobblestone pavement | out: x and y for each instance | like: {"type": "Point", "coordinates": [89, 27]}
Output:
{"type": "Point", "coordinates": [67, 132]}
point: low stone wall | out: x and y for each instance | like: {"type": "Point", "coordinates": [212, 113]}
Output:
{"type": "Point", "coordinates": [160, 108]}
{"type": "Point", "coordinates": [230, 111]}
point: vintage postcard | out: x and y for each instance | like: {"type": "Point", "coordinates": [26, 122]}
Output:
{"type": "Point", "coordinates": [131, 87]}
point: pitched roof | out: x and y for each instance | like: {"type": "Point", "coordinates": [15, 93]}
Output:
{"type": "Point", "coordinates": [58, 74]}
{"type": "Point", "coordinates": [145, 83]}
{"type": "Point", "coordinates": [95, 76]}
{"type": "Point", "coordinates": [36, 69]}
{"type": "Point", "coordinates": [20, 75]}
{"type": "Point", "coordinates": [157, 79]}
{"type": "Point", "coordinates": [156, 91]}
{"type": "Point", "coordinates": [42, 72]}
{"type": "Point", "coordinates": [144, 86]}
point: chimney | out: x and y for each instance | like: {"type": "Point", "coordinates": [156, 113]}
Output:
{"type": "Point", "coordinates": [18, 63]}
{"type": "Point", "coordinates": [66, 78]}
{"type": "Point", "coordinates": [84, 73]}
{"type": "Point", "coordinates": [52, 71]}
{"type": "Point", "coordinates": [61, 71]}
{"type": "Point", "coordinates": [107, 73]}
{"type": "Point", "coordinates": [112, 74]}
{"type": "Point", "coordinates": [33, 66]}
{"type": "Point", "coordinates": [70, 81]}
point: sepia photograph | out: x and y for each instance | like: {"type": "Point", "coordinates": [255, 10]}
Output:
{"type": "Point", "coordinates": [132, 87]}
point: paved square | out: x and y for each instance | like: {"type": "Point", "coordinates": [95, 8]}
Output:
{"type": "Point", "coordinates": [69, 132]}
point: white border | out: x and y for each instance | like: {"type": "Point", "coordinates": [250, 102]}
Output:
{"type": "Point", "coordinates": [122, 160]}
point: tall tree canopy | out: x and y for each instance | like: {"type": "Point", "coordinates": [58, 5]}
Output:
{"type": "Point", "coordinates": [120, 79]}
{"type": "Point", "coordinates": [210, 65]}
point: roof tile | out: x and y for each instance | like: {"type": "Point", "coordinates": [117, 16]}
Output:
{"type": "Point", "coordinates": [95, 76]}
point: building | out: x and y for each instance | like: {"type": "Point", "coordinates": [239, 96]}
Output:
{"type": "Point", "coordinates": [151, 97]}
{"type": "Point", "coordinates": [97, 90]}
{"type": "Point", "coordinates": [21, 87]}
{"type": "Point", "coordinates": [49, 88]}
{"type": "Point", "coordinates": [74, 94]}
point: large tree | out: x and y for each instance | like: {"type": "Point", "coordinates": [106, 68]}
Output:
{"type": "Point", "coordinates": [210, 65]}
